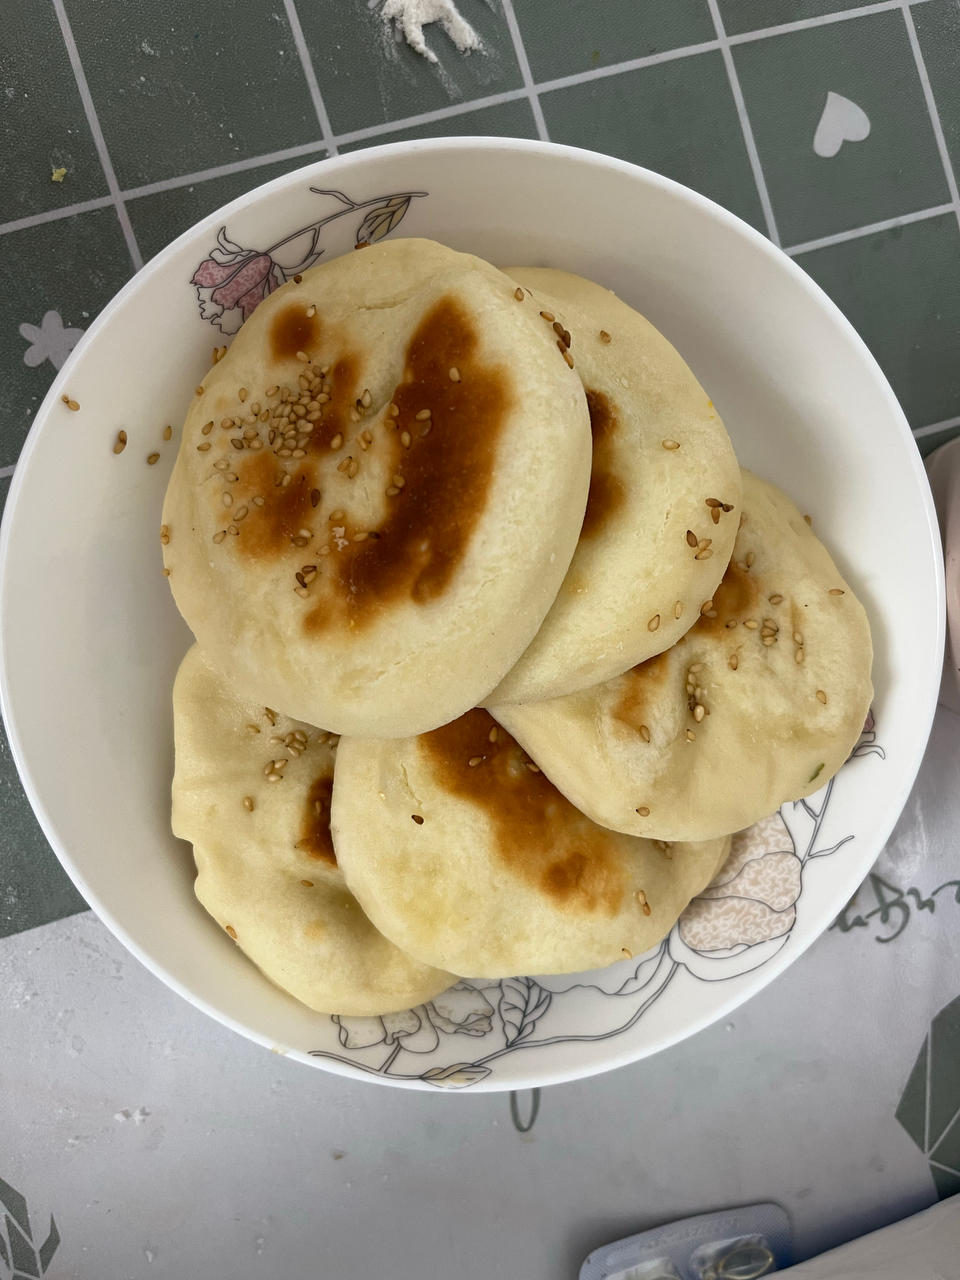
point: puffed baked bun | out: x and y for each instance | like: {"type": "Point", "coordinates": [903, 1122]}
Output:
{"type": "Point", "coordinates": [760, 703]}
{"type": "Point", "coordinates": [251, 792]}
{"type": "Point", "coordinates": [664, 497]}
{"type": "Point", "coordinates": [379, 490]}
{"type": "Point", "coordinates": [465, 855]}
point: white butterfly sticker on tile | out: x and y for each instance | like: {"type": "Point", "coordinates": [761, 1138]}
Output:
{"type": "Point", "coordinates": [840, 121]}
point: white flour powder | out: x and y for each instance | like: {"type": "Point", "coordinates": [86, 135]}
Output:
{"type": "Point", "coordinates": [409, 17]}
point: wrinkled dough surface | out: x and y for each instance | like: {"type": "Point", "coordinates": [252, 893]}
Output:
{"type": "Point", "coordinates": [266, 870]}
{"type": "Point", "coordinates": [761, 701]}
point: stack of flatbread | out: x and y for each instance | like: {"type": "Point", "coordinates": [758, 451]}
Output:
{"type": "Point", "coordinates": [496, 643]}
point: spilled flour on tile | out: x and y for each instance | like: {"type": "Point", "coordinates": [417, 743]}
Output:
{"type": "Point", "coordinates": [407, 18]}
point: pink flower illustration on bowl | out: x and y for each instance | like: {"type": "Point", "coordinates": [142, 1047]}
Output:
{"type": "Point", "coordinates": [232, 282]}
{"type": "Point", "coordinates": [746, 914]}
{"type": "Point", "coordinates": [753, 897]}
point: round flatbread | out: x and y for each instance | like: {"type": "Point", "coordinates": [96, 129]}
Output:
{"type": "Point", "coordinates": [251, 792]}
{"type": "Point", "coordinates": [379, 490]}
{"type": "Point", "coordinates": [664, 497]}
{"type": "Point", "coordinates": [760, 703]}
{"type": "Point", "coordinates": [463, 853]}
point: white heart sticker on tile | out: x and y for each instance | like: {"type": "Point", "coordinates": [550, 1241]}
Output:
{"type": "Point", "coordinates": [840, 121]}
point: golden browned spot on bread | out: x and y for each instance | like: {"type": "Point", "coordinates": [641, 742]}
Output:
{"type": "Point", "coordinates": [286, 508]}
{"type": "Point", "coordinates": [343, 389]}
{"type": "Point", "coordinates": [437, 444]}
{"type": "Point", "coordinates": [315, 839]}
{"type": "Point", "coordinates": [539, 834]}
{"type": "Point", "coordinates": [736, 598]}
{"type": "Point", "coordinates": [638, 686]}
{"type": "Point", "coordinates": [606, 488]}
{"type": "Point", "coordinates": [292, 330]}
{"type": "Point", "coordinates": [568, 876]}
{"type": "Point", "coordinates": [446, 461]}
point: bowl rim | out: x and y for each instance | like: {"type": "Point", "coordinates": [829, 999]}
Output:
{"type": "Point", "coordinates": [332, 165]}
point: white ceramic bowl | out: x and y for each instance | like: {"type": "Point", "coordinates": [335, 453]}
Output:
{"type": "Point", "coordinates": [943, 469]}
{"type": "Point", "coordinates": [91, 639]}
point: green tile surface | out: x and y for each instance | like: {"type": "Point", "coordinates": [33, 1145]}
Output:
{"type": "Point", "coordinates": [368, 77]}
{"type": "Point", "coordinates": [755, 15]}
{"type": "Point", "coordinates": [928, 1107]}
{"type": "Point", "coordinates": [938, 33]}
{"type": "Point", "coordinates": [943, 1094]}
{"type": "Point", "coordinates": [41, 117]}
{"type": "Point", "coordinates": [901, 289]}
{"type": "Point", "coordinates": [34, 888]}
{"type": "Point", "coordinates": [678, 118]}
{"type": "Point", "coordinates": [935, 439]}
{"type": "Point", "coordinates": [69, 268]}
{"type": "Point", "coordinates": [161, 217]}
{"type": "Point", "coordinates": [504, 120]}
{"type": "Point", "coordinates": [867, 61]}
{"type": "Point", "coordinates": [182, 85]}
{"type": "Point", "coordinates": [578, 35]}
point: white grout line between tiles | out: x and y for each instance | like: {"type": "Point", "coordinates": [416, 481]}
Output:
{"type": "Point", "coordinates": [224, 170]}
{"type": "Point", "coordinates": [430, 117]}
{"type": "Point", "coordinates": [632, 64]}
{"type": "Point", "coordinates": [948, 424]}
{"type": "Point", "coordinates": [746, 127]}
{"type": "Point", "coordinates": [857, 233]}
{"type": "Point", "coordinates": [943, 1134]}
{"type": "Point", "coordinates": [523, 62]}
{"type": "Point", "coordinates": [934, 113]}
{"type": "Point", "coordinates": [822, 20]}
{"type": "Point", "coordinates": [99, 142]}
{"type": "Point", "coordinates": [270, 157]}
{"type": "Point", "coordinates": [310, 75]}
{"type": "Point", "coordinates": [54, 215]}
{"type": "Point", "coordinates": [6, 472]}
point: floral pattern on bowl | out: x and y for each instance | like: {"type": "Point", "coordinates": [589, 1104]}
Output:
{"type": "Point", "coordinates": [232, 280]}
{"type": "Point", "coordinates": [739, 923]}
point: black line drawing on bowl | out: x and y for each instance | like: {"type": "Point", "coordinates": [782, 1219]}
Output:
{"type": "Point", "coordinates": [737, 925]}
{"type": "Point", "coordinates": [233, 280]}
